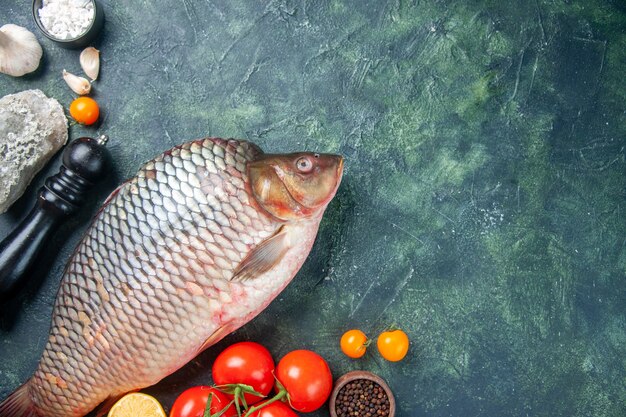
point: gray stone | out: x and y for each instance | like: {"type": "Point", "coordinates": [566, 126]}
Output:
{"type": "Point", "coordinates": [33, 128]}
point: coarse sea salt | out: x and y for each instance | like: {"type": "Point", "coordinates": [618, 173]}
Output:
{"type": "Point", "coordinates": [66, 19]}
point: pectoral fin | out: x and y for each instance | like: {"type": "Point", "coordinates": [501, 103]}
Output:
{"type": "Point", "coordinates": [263, 257]}
{"type": "Point", "coordinates": [217, 335]}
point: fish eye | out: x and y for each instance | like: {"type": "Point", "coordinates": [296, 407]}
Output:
{"type": "Point", "coordinates": [304, 165]}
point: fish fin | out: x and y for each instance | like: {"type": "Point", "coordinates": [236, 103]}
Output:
{"type": "Point", "coordinates": [19, 404]}
{"type": "Point", "coordinates": [217, 335]}
{"type": "Point", "coordinates": [263, 257]}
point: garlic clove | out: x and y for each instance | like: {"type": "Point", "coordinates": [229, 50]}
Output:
{"type": "Point", "coordinates": [90, 62]}
{"type": "Point", "coordinates": [20, 51]}
{"type": "Point", "coordinates": [79, 85]}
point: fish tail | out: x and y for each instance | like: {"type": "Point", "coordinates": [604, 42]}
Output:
{"type": "Point", "coordinates": [19, 404]}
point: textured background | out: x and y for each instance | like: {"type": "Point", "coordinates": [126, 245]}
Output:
{"type": "Point", "coordinates": [483, 203]}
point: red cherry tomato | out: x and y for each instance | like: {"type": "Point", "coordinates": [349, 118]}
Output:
{"type": "Point", "coordinates": [275, 409]}
{"type": "Point", "coordinates": [306, 377]}
{"type": "Point", "coordinates": [192, 403]}
{"type": "Point", "coordinates": [245, 363]}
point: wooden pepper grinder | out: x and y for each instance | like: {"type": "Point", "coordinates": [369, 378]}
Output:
{"type": "Point", "coordinates": [84, 164]}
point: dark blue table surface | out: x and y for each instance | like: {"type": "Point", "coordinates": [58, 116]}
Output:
{"type": "Point", "coordinates": [482, 207]}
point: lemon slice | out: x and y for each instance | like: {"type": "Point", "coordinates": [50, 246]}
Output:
{"type": "Point", "coordinates": [137, 404]}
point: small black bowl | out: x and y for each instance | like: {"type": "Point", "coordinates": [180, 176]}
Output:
{"type": "Point", "coordinates": [83, 40]}
{"type": "Point", "coordinates": [353, 376]}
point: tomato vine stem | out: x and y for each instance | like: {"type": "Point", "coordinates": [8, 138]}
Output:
{"type": "Point", "coordinates": [279, 396]}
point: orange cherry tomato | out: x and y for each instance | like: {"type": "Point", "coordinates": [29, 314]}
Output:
{"type": "Point", "coordinates": [393, 345]}
{"type": "Point", "coordinates": [85, 110]}
{"type": "Point", "coordinates": [354, 343]}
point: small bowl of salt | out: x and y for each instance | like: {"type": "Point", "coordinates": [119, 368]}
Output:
{"type": "Point", "coordinates": [69, 23]}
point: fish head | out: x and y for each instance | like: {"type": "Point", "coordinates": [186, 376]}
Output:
{"type": "Point", "coordinates": [297, 185]}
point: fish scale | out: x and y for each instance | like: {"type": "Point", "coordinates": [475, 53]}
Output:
{"type": "Point", "coordinates": [110, 326]}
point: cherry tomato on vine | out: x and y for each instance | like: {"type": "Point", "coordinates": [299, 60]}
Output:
{"type": "Point", "coordinates": [275, 409]}
{"type": "Point", "coordinates": [393, 345]}
{"type": "Point", "coordinates": [246, 363]}
{"type": "Point", "coordinates": [306, 377]}
{"type": "Point", "coordinates": [354, 343]}
{"type": "Point", "coordinates": [192, 403]}
{"type": "Point", "coordinates": [85, 110]}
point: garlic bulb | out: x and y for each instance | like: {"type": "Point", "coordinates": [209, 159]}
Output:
{"type": "Point", "coordinates": [79, 85]}
{"type": "Point", "coordinates": [90, 62]}
{"type": "Point", "coordinates": [20, 51]}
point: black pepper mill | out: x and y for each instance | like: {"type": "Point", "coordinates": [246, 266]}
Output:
{"type": "Point", "coordinates": [84, 164]}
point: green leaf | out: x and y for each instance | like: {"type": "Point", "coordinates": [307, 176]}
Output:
{"type": "Point", "coordinates": [237, 406]}
{"type": "Point", "coordinates": [280, 386]}
{"type": "Point", "coordinates": [243, 399]}
{"type": "Point", "coordinates": [207, 409]}
{"type": "Point", "coordinates": [223, 410]}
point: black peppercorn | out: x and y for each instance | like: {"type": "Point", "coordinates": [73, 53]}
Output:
{"type": "Point", "coordinates": [362, 398]}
